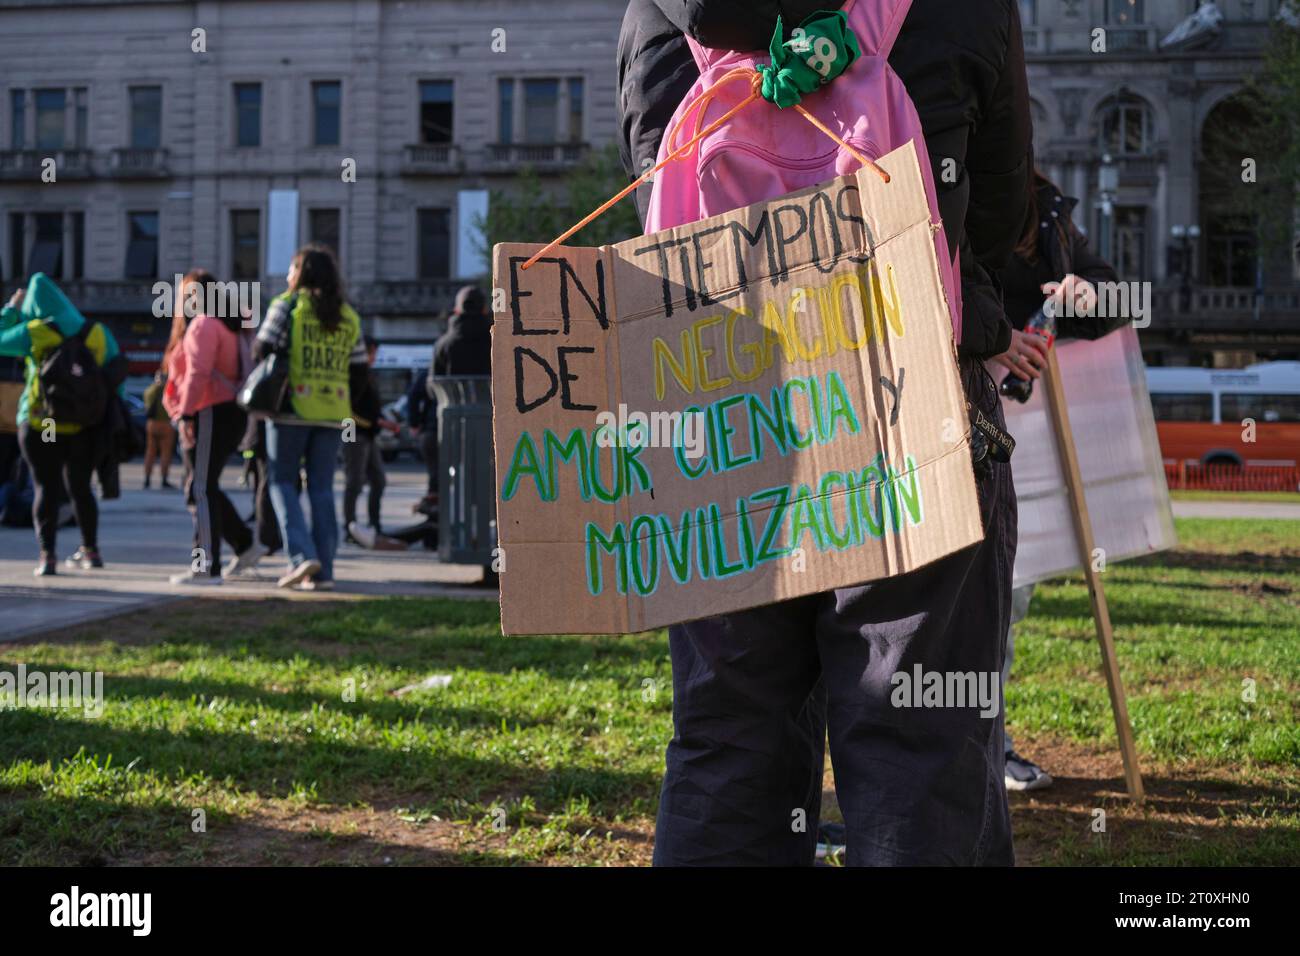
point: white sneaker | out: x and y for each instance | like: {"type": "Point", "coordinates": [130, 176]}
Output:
{"type": "Point", "coordinates": [304, 570]}
{"type": "Point", "coordinates": [245, 563]}
{"type": "Point", "coordinates": [365, 537]}
{"type": "Point", "coordinates": [195, 578]}
{"type": "Point", "coordinates": [1022, 774]}
{"type": "Point", "coordinates": [311, 584]}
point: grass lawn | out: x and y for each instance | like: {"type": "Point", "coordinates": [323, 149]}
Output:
{"type": "Point", "coordinates": [278, 728]}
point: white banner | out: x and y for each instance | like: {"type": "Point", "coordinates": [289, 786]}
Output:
{"type": "Point", "coordinates": [1119, 457]}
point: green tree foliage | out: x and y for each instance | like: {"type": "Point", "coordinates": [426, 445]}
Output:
{"type": "Point", "coordinates": [534, 209]}
{"type": "Point", "coordinates": [1266, 129]}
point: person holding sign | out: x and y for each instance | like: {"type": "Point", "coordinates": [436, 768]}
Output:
{"type": "Point", "coordinates": [321, 333]}
{"type": "Point", "coordinates": [756, 691]}
{"type": "Point", "coordinates": [1054, 275]}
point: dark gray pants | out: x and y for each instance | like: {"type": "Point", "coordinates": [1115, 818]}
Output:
{"type": "Point", "coordinates": [754, 694]}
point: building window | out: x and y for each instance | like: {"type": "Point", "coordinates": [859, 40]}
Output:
{"type": "Point", "coordinates": [506, 111]}
{"type": "Point", "coordinates": [1125, 126]}
{"type": "Point", "coordinates": [146, 117]}
{"type": "Point", "coordinates": [245, 244]}
{"type": "Point", "coordinates": [552, 109]}
{"type": "Point", "coordinates": [1230, 251]}
{"type": "Point", "coordinates": [436, 111]}
{"type": "Point", "coordinates": [78, 245]}
{"type": "Point", "coordinates": [50, 107]}
{"type": "Point", "coordinates": [1029, 12]}
{"type": "Point", "coordinates": [541, 108]}
{"type": "Point", "coordinates": [142, 245]}
{"type": "Point", "coordinates": [47, 250]}
{"type": "Point", "coordinates": [435, 243]}
{"type": "Point", "coordinates": [323, 227]}
{"type": "Point", "coordinates": [1124, 12]}
{"type": "Point", "coordinates": [575, 109]}
{"type": "Point", "coordinates": [248, 114]}
{"type": "Point", "coordinates": [1131, 242]}
{"type": "Point", "coordinates": [18, 119]}
{"type": "Point", "coordinates": [82, 115]}
{"type": "Point", "coordinates": [327, 103]}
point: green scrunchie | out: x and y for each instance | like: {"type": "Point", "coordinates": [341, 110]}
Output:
{"type": "Point", "coordinates": [820, 49]}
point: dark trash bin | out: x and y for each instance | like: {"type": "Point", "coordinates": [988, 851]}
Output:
{"type": "Point", "coordinates": [467, 500]}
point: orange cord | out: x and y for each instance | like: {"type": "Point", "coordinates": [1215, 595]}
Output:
{"type": "Point", "coordinates": [698, 107]}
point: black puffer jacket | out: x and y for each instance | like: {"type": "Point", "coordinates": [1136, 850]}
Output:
{"type": "Point", "coordinates": [465, 348]}
{"type": "Point", "coordinates": [962, 62]}
{"type": "Point", "coordinates": [1061, 249]}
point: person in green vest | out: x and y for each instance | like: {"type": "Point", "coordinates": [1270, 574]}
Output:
{"type": "Point", "coordinates": [32, 326]}
{"type": "Point", "coordinates": [314, 325]}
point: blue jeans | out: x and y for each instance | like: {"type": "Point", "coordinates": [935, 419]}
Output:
{"type": "Point", "coordinates": [316, 448]}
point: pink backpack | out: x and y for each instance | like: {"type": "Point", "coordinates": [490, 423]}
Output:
{"type": "Point", "coordinates": [763, 152]}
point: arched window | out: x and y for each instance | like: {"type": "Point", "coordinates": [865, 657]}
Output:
{"type": "Point", "coordinates": [1229, 204]}
{"type": "Point", "coordinates": [1124, 125]}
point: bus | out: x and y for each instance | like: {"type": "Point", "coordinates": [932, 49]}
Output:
{"type": "Point", "coordinates": [1241, 418]}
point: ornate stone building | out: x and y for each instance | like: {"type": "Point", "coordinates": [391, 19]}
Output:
{"type": "Point", "coordinates": [222, 134]}
{"type": "Point", "coordinates": [1124, 108]}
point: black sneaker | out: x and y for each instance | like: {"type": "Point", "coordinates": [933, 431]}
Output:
{"type": "Point", "coordinates": [85, 559]}
{"type": "Point", "coordinates": [168, 485]}
{"type": "Point", "coordinates": [48, 567]}
{"type": "Point", "coordinates": [147, 482]}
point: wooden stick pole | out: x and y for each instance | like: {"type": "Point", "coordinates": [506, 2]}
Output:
{"type": "Point", "coordinates": [1100, 610]}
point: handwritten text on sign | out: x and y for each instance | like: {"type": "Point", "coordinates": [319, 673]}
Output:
{"type": "Point", "coordinates": [730, 413]}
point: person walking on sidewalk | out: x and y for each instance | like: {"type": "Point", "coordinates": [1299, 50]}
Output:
{"type": "Point", "coordinates": [160, 434]}
{"type": "Point", "coordinates": [314, 325]}
{"type": "Point", "coordinates": [362, 465]}
{"type": "Point", "coordinates": [204, 373]}
{"type": "Point", "coordinates": [60, 447]}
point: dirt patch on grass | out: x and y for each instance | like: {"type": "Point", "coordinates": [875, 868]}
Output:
{"type": "Point", "coordinates": [395, 831]}
{"type": "Point", "coordinates": [1214, 813]}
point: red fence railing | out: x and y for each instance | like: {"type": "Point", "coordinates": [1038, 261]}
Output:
{"type": "Point", "coordinates": [1185, 477]}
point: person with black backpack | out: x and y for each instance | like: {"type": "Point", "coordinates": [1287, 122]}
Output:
{"type": "Point", "coordinates": [62, 409]}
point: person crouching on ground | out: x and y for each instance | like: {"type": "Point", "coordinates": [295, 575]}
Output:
{"type": "Point", "coordinates": [204, 371]}
{"type": "Point", "coordinates": [314, 325]}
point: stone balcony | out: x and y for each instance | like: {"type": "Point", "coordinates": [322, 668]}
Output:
{"type": "Point", "coordinates": [432, 159]}
{"type": "Point", "coordinates": [137, 163]}
{"type": "Point", "coordinates": [1229, 309]}
{"type": "Point", "coordinates": [512, 157]}
{"type": "Point", "coordinates": [29, 164]}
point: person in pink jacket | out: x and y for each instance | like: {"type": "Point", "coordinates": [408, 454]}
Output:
{"type": "Point", "coordinates": [206, 361]}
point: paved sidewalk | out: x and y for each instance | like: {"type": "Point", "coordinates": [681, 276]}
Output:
{"type": "Point", "coordinates": [145, 536]}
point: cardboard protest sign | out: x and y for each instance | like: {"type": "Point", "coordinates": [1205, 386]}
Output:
{"type": "Point", "coordinates": [745, 409]}
{"type": "Point", "coordinates": [1119, 459]}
